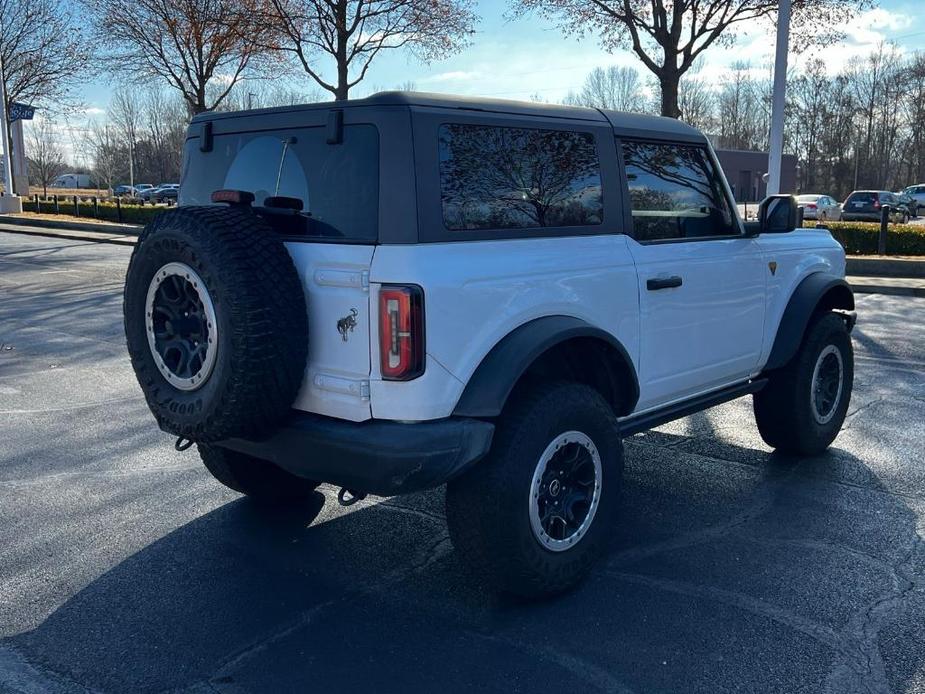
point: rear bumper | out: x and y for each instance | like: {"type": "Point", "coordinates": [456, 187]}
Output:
{"type": "Point", "coordinates": [375, 457]}
{"type": "Point", "coordinates": [860, 216]}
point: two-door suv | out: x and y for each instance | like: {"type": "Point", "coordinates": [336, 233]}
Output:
{"type": "Point", "coordinates": [408, 290]}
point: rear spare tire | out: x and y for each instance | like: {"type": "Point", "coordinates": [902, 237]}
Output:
{"type": "Point", "coordinates": [215, 322]}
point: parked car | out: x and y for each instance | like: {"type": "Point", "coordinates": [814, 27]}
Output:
{"type": "Point", "coordinates": [820, 207]}
{"type": "Point", "coordinates": [148, 194]}
{"type": "Point", "coordinates": [124, 191]}
{"type": "Point", "coordinates": [866, 206]}
{"type": "Point", "coordinates": [409, 314]}
{"type": "Point", "coordinates": [910, 202]}
{"type": "Point", "coordinates": [167, 191]}
{"type": "Point", "coordinates": [917, 193]}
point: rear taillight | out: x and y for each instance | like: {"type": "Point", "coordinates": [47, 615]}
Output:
{"type": "Point", "coordinates": [401, 332]}
{"type": "Point", "coordinates": [811, 205]}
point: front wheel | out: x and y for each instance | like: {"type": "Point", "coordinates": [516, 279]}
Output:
{"type": "Point", "coordinates": [532, 517]}
{"type": "Point", "coordinates": [803, 406]}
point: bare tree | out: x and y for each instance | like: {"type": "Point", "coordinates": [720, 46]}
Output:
{"type": "Point", "coordinates": [125, 116]}
{"type": "Point", "coordinates": [108, 152]}
{"type": "Point", "coordinates": [617, 88]}
{"type": "Point", "coordinates": [669, 35]}
{"type": "Point", "coordinates": [46, 158]}
{"type": "Point", "coordinates": [268, 94]}
{"type": "Point", "coordinates": [741, 122]}
{"type": "Point", "coordinates": [42, 50]}
{"type": "Point", "coordinates": [190, 44]}
{"type": "Point", "coordinates": [697, 100]}
{"type": "Point", "coordinates": [353, 32]}
{"type": "Point", "coordinates": [163, 131]}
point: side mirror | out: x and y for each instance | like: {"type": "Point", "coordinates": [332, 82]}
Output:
{"type": "Point", "coordinates": [778, 214]}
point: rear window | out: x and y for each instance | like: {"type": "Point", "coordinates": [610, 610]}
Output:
{"type": "Point", "coordinates": [866, 198]}
{"type": "Point", "coordinates": [518, 178]}
{"type": "Point", "coordinates": [337, 184]}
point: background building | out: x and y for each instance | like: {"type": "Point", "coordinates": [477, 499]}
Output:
{"type": "Point", "coordinates": [744, 170]}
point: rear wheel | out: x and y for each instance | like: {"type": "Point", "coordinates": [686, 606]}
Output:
{"type": "Point", "coordinates": [531, 519]}
{"type": "Point", "coordinates": [215, 322]}
{"type": "Point", "coordinates": [259, 479]}
{"type": "Point", "coordinates": [803, 406]}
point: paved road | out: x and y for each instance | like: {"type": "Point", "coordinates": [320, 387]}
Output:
{"type": "Point", "coordinates": [125, 567]}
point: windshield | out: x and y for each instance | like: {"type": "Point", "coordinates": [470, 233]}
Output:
{"type": "Point", "coordinates": [808, 198]}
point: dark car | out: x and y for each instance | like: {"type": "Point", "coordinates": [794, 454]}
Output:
{"type": "Point", "coordinates": [123, 191]}
{"type": "Point", "coordinates": [910, 202]}
{"type": "Point", "coordinates": [167, 194]}
{"type": "Point", "coordinates": [867, 206]}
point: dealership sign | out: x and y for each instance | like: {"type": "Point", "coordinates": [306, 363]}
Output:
{"type": "Point", "coordinates": [21, 112]}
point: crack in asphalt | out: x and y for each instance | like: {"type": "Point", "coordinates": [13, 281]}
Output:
{"type": "Point", "coordinates": [858, 667]}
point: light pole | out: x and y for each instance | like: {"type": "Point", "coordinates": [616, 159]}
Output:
{"type": "Point", "coordinates": [10, 202]}
{"type": "Point", "coordinates": [778, 101]}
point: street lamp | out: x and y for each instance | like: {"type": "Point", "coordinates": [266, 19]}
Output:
{"type": "Point", "coordinates": [10, 202]}
{"type": "Point", "coordinates": [776, 149]}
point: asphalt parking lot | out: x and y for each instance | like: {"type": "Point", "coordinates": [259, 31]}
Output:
{"type": "Point", "coordinates": [125, 567]}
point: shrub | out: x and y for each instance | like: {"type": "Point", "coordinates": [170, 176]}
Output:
{"type": "Point", "coordinates": [131, 214]}
{"type": "Point", "coordinates": [860, 238]}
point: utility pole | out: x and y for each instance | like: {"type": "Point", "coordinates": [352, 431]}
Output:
{"type": "Point", "coordinates": [10, 202]}
{"type": "Point", "coordinates": [779, 99]}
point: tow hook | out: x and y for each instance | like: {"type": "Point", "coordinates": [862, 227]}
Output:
{"type": "Point", "coordinates": [348, 497]}
{"type": "Point", "coordinates": [182, 443]}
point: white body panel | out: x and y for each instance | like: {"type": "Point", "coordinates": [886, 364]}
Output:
{"type": "Point", "coordinates": [707, 332]}
{"type": "Point", "coordinates": [798, 255]}
{"type": "Point", "coordinates": [476, 293]}
{"type": "Point", "coordinates": [336, 282]}
{"type": "Point", "coordinates": [717, 329]}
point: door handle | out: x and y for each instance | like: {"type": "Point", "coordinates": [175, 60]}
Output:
{"type": "Point", "coordinates": [655, 283]}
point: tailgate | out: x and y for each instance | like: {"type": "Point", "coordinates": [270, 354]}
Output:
{"type": "Point", "coordinates": [335, 278]}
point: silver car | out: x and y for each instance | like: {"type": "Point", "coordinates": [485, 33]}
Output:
{"type": "Point", "coordinates": [823, 208]}
{"type": "Point", "coordinates": [917, 193]}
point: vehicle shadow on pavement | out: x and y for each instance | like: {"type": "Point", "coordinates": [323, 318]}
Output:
{"type": "Point", "coordinates": [732, 569]}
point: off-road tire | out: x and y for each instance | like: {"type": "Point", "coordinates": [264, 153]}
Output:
{"type": "Point", "coordinates": [259, 479]}
{"type": "Point", "coordinates": [487, 508]}
{"type": "Point", "coordinates": [260, 311]}
{"type": "Point", "coordinates": [783, 408]}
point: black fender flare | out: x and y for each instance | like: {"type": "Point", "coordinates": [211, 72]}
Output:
{"type": "Point", "coordinates": [819, 290]}
{"type": "Point", "coordinates": [495, 377]}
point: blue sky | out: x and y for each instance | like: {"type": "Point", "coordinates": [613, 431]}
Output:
{"type": "Point", "coordinates": [526, 56]}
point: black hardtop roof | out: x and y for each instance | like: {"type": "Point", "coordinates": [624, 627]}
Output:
{"type": "Point", "coordinates": [636, 123]}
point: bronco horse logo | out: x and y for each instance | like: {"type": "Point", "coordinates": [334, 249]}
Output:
{"type": "Point", "coordinates": [347, 324]}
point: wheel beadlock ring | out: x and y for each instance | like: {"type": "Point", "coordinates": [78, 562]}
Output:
{"type": "Point", "coordinates": [178, 307]}
{"type": "Point", "coordinates": [827, 384]}
{"type": "Point", "coordinates": [582, 491]}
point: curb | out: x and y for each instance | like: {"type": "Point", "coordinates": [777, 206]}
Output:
{"type": "Point", "coordinates": [75, 235]}
{"type": "Point", "coordinates": [124, 229]}
{"type": "Point", "coordinates": [911, 268]}
{"type": "Point", "coordinates": [888, 290]}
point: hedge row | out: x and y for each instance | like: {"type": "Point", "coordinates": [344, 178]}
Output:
{"type": "Point", "coordinates": [860, 238]}
{"type": "Point", "coordinates": [131, 214]}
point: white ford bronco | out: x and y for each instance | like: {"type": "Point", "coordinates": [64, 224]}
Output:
{"type": "Point", "coordinates": [408, 290]}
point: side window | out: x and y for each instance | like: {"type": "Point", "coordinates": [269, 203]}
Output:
{"type": "Point", "coordinates": [518, 178]}
{"type": "Point", "coordinates": [675, 192]}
